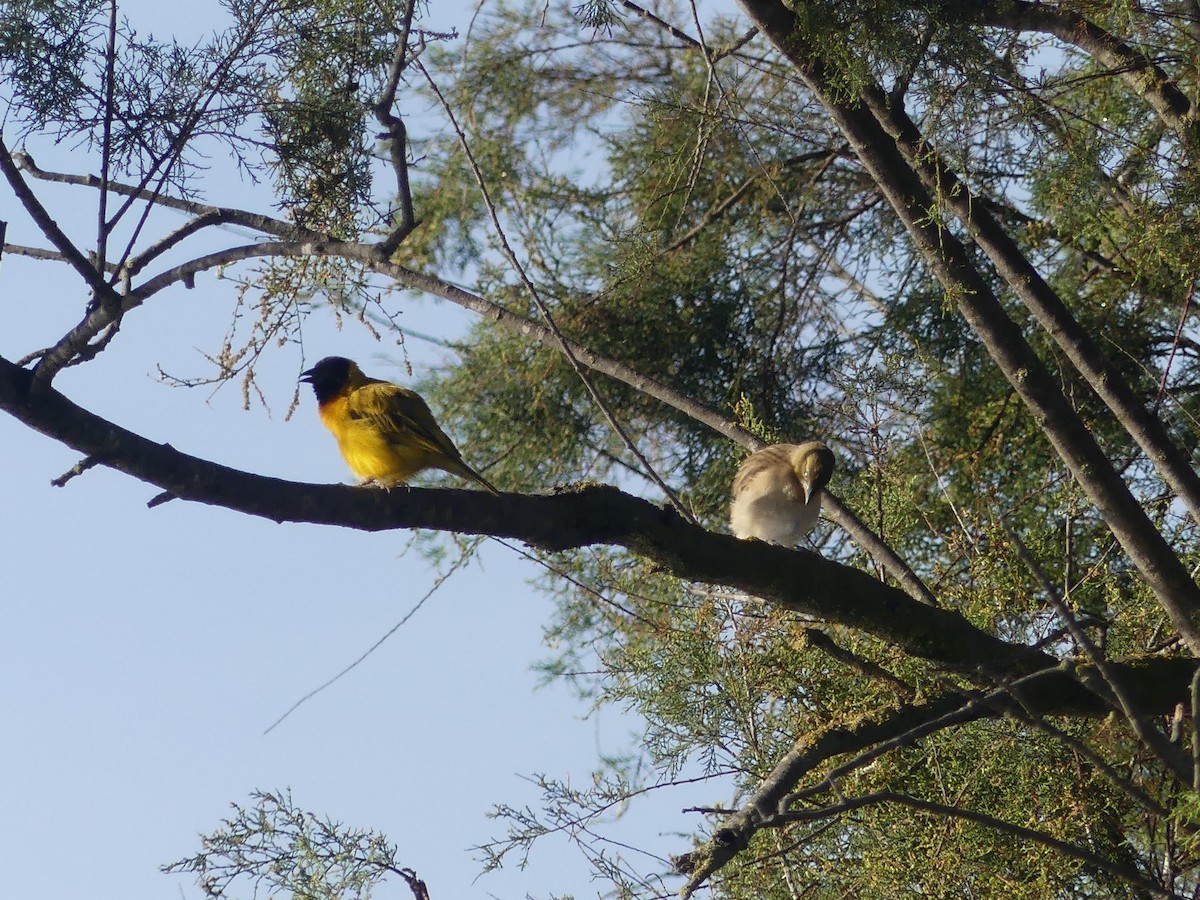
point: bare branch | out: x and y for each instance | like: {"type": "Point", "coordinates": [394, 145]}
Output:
{"type": "Point", "coordinates": [576, 516]}
{"type": "Point", "coordinates": [572, 517]}
{"type": "Point", "coordinates": [215, 216]}
{"type": "Point", "coordinates": [397, 136]}
{"type": "Point", "coordinates": [257, 221]}
{"type": "Point", "coordinates": [10, 164]}
{"type": "Point", "coordinates": [43, 254]}
{"type": "Point", "coordinates": [666, 26]}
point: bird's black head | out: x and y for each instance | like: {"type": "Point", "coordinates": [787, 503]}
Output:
{"type": "Point", "coordinates": [329, 377]}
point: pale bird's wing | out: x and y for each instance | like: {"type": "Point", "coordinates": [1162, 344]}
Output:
{"type": "Point", "coordinates": [760, 462]}
{"type": "Point", "coordinates": [401, 416]}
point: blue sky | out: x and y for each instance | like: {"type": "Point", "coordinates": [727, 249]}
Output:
{"type": "Point", "coordinates": [144, 651]}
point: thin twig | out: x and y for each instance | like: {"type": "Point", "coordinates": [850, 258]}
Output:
{"type": "Point", "coordinates": [663, 24]}
{"type": "Point", "coordinates": [466, 555]}
{"type": "Point", "coordinates": [1183, 314]}
{"type": "Point", "coordinates": [110, 65]}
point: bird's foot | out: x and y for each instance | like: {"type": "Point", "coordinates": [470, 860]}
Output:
{"type": "Point", "coordinates": [382, 484]}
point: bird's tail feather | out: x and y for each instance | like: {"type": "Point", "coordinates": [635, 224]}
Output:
{"type": "Point", "coordinates": [461, 468]}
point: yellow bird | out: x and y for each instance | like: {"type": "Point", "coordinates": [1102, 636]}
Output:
{"type": "Point", "coordinates": [385, 433]}
{"type": "Point", "coordinates": [777, 492]}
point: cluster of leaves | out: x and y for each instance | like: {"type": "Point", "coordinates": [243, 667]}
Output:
{"type": "Point", "coordinates": [276, 845]}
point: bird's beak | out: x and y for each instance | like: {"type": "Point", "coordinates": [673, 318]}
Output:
{"type": "Point", "coordinates": [306, 376]}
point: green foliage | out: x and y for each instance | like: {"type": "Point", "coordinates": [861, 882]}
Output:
{"type": "Point", "coordinates": [704, 261]}
{"type": "Point", "coordinates": [277, 846]}
{"type": "Point", "coordinates": [331, 60]}
{"type": "Point", "coordinates": [47, 55]}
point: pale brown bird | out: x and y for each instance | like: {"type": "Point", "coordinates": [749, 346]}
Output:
{"type": "Point", "coordinates": [777, 492]}
{"type": "Point", "coordinates": [386, 433]}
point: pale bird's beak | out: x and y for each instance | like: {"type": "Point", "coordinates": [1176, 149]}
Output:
{"type": "Point", "coordinates": [306, 376]}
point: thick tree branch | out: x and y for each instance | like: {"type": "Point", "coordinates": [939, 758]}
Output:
{"type": "Point", "coordinates": [569, 518]}
{"type": "Point", "coordinates": [797, 580]}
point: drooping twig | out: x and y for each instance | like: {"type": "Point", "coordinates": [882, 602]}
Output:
{"type": "Point", "coordinates": [463, 559]}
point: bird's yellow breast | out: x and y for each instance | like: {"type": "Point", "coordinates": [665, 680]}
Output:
{"type": "Point", "coordinates": [369, 452]}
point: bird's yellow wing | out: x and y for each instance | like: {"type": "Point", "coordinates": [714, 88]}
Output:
{"type": "Point", "coordinates": [401, 417]}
